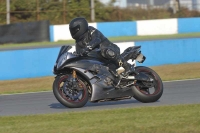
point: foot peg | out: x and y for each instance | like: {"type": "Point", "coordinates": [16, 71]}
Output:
{"type": "Point", "coordinates": [127, 72]}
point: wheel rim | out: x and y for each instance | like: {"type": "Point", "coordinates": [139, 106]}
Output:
{"type": "Point", "coordinates": [153, 90]}
{"type": "Point", "coordinates": [70, 94]}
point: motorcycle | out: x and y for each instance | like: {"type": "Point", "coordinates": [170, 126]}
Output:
{"type": "Point", "coordinates": [91, 77]}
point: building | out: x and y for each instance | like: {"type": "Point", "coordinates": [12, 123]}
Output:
{"type": "Point", "coordinates": [190, 4]}
{"type": "Point", "coordinates": [150, 3]}
{"type": "Point", "coordinates": [196, 5]}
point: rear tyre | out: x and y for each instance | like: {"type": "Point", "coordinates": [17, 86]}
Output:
{"type": "Point", "coordinates": [151, 93]}
{"type": "Point", "coordinates": [66, 95]}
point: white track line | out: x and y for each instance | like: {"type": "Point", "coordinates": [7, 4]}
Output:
{"type": "Point", "coordinates": [182, 80]}
{"type": "Point", "coordinates": [51, 90]}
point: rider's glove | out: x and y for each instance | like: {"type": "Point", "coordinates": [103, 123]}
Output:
{"type": "Point", "coordinates": [75, 53]}
{"type": "Point", "coordinates": [85, 51]}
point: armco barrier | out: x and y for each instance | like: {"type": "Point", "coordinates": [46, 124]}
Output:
{"type": "Point", "coordinates": [174, 51]}
{"type": "Point", "coordinates": [157, 27]}
{"type": "Point", "coordinates": [115, 29]}
{"type": "Point", "coordinates": [27, 63]}
{"type": "Point", "coordinates": [51, 33]}
{"type": "Point", "coordinates": [39, 62]}
{"type": "Point", "coordinates": [134, 28]}
{"type": "Point", "coordinates": [32, 62]}
{"type": "Point", "coordinates": [61, 32]}
{"type": "Point", "coordinates": [188, 25]}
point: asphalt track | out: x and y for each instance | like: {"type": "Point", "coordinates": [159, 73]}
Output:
{"type": "Point", "coordinates": [175, 92]}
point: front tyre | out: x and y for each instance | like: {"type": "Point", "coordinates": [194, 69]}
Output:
{"type": "Point", "coordinates": [152, 91]}
{"type": "Point", "coordinates": [67, 95]}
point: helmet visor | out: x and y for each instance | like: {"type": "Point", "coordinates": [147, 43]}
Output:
{"type": "Point", "coordinates": [74, 30]}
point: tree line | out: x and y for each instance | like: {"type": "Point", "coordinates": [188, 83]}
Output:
{"type": "Point", "coordinates": [62, 11]}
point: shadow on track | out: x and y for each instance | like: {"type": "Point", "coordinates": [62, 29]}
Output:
{"type": "Point", "coordinates": [98, 104]}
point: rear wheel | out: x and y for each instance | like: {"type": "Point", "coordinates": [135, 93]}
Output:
{"type": "Point", "coordinates": [67, 94]}
{"type": "Point", "coordinates": [148, 91]}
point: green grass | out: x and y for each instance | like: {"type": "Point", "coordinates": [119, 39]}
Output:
{"type": "Point", "coordinates": [166, 72]}
{"type": "Point", "coordinates": [113, 39]}
{"type": "Point", "coordinates": [35, 44]}
{"type": "Point", "coordinates": [164, 119]}
{"type": "Point", "coordinates": [155, 37]}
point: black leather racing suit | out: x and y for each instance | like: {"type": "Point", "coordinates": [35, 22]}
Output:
{"type": "Point", "coordinates": [93, 38]}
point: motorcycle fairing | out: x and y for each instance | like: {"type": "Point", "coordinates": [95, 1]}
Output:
{"type": "Point", "coordinates": [101, 89]}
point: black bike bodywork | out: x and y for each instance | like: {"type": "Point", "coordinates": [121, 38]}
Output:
{"type": "Point", "coordinates": [80, 78]}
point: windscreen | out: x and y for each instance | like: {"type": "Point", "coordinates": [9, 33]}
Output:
{"type": "Point", "coordinates": [63, 49]}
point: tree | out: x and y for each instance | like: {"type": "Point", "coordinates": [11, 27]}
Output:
{"type": "Point", "coordinates": [2, 12]}
{"type": "Point", "coordinates": [21, 10]}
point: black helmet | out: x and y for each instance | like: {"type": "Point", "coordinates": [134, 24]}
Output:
{"type": "Point", "coordinates": [78, 26]}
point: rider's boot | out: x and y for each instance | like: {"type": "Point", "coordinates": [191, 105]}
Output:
{"type": "Point", "coordinates": [130, 68]}
{"type": "Point", "coordinates": [124, 57]}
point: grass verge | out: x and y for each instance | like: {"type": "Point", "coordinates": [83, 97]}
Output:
{"type": "Point", "coordinates": [164, 119]}
{"type": "Point", "coordinates": [166, 72]}
{"type": "Point", "coordinates": [113, 39]}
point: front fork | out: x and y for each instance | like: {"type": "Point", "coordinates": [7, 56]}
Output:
{"type": "Point", "coordinates": [75, 81]}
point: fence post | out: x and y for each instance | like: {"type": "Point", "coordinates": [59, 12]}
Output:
{"type": "Point", "coordinates": [92, 11]}
{"type": "Point", "coordinates": [64, 11]}
{"type": "Point", "coordinates": [37, 10]}
{"type": "Point", "coordinates": [8, 11]}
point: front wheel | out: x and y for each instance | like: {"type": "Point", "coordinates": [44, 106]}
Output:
{"type": "Point", "coordinates": [67, 94]}
{"type": "Point", "coordinates": [145, 91]}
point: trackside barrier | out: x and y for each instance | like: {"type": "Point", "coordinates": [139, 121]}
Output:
{"type": "Point", "coordinates": [61, 32]}
{"type": "Point", "coordinates": [157, 27]}
{"type": "Point", "coordinates": [27, 63]}
{"type": "Point", "coordinates": [32, 63]}
{"type": "Point", "coordinates": [176, 51]}
{"type": "Point", "coordinates": [133, 28]}
{"type": "Point", "coordinates": [188, 25]}
{"type": "Point", "coordinates": [116, 29]}
{"type": "Point", "coordinates": [39, 62]}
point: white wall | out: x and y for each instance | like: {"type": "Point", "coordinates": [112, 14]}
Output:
{"type": "Point", "coordinates": [61, 32]}
{"type": "Point", "coordinates": [157, 27]}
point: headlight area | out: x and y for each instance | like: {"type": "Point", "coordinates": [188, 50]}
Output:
{"type": "Point", "coordinates": [62, 60]}
{"type": "Point", "coordinates": [140, 58]}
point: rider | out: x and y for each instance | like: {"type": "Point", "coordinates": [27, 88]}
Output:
{"type": "Point", "coordinates": [88, 38]}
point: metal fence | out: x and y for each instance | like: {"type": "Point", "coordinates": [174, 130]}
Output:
{"type": "Point", "coordinates": [12, 11]}
{"type": "Point", "coordinates": [62, 11]}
